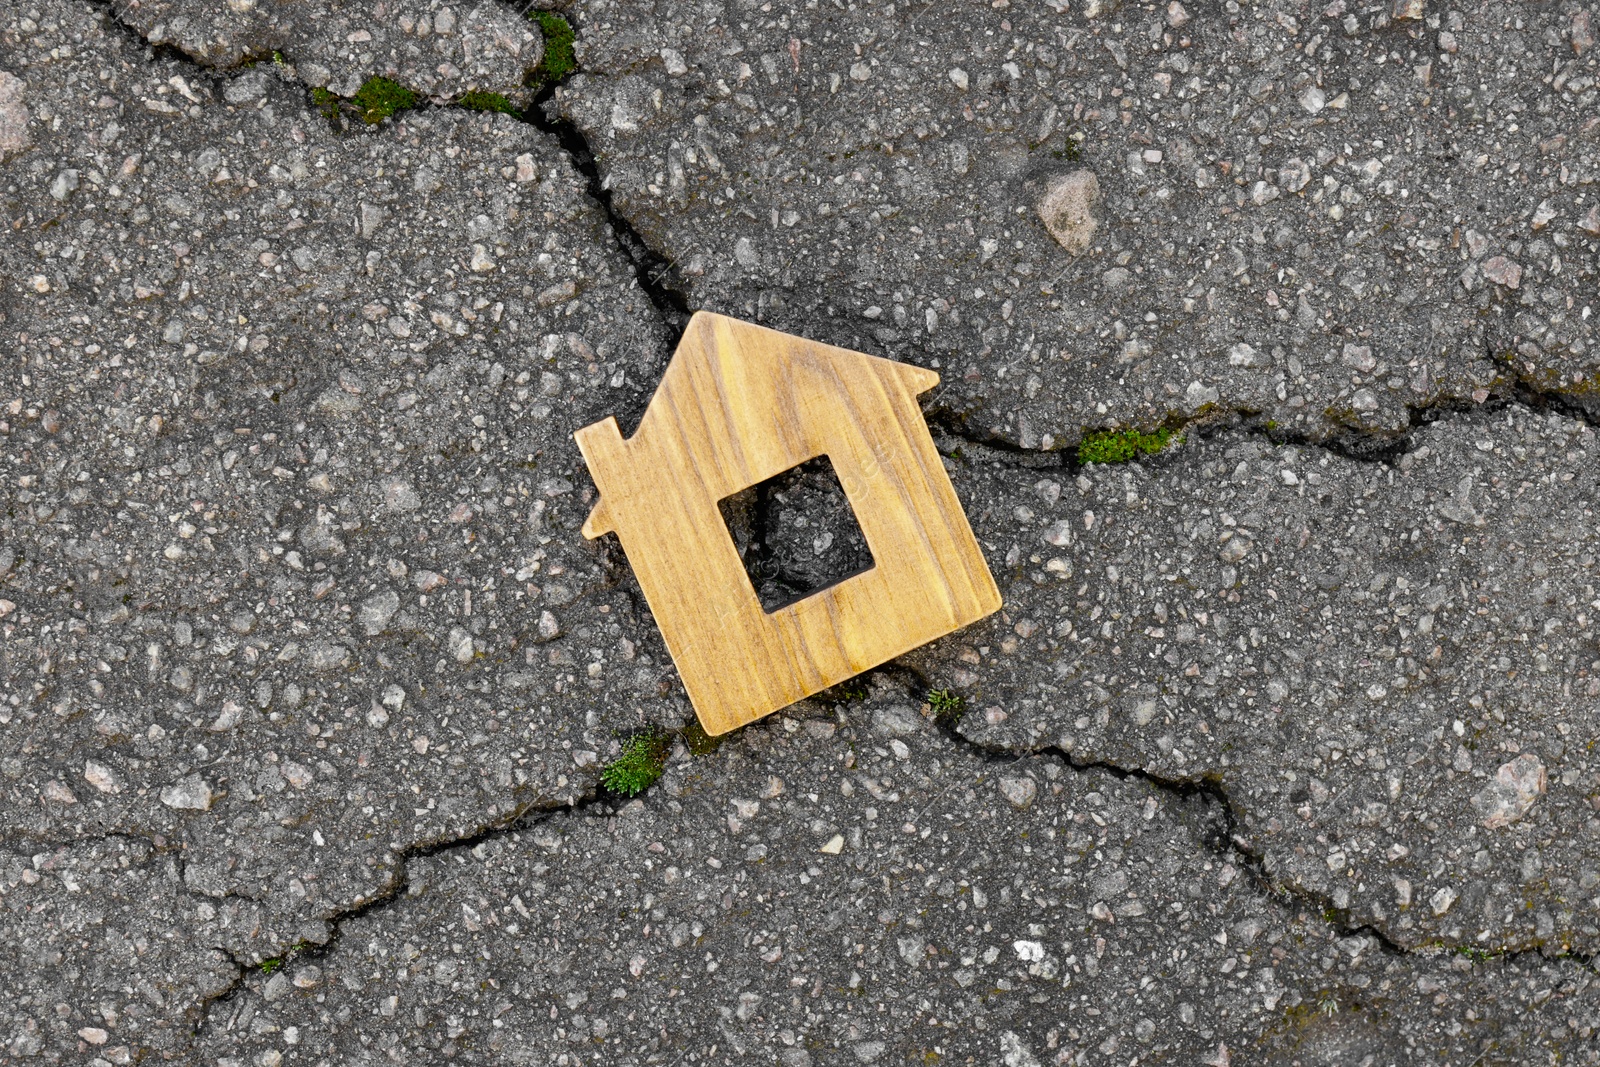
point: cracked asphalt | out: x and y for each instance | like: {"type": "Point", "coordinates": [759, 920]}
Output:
{"type": "Point", "coordinates": [1280, 751]}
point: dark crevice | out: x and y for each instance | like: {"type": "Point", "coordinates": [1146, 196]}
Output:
{"type": "Point", "coordinates": [155, 53]}
{"type": "Point", "coordinates": [1583, 409]}
{"type": "Point", "coordinates": [954, 439]}
{"type": "Point", "coordinates": [1231, 843]}
{"type": "Point", "coordinates": [235, 985]}
{"type": "Point", "coordinates": [28, 845]}
{"type": "Point", "coordinates": [655, 273]}
{"type": "Point", "coordinates": [522, 819]}
{"type": "Point", "coordinates": [1208, 790]}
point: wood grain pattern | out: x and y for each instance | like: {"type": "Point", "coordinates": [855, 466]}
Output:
{"type": "Point", "coordinates": [738, 404]}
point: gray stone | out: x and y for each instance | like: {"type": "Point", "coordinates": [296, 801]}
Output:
{"type": "Point", "coordinates": [190, 793]}
{"type": "Point", "coordinates": [1067, 209]}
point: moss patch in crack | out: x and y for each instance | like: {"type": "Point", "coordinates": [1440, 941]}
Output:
{"type": "Point", "coordinates": [698, 741]}
{"type": "Point", "coordinates": [559, 58]}
{"type": "Point", "coordinates": [640, 766]}
{"type": "Point", "coordinates": [381, 97]}
{"type": "Point", "coordinates": [326, 103]}
{"type": "Point", "coordinates": [276, 962]}
{"type": "Point", "coordinates": [947, 707]}
{"type": "Point", "coordinates": [478, 100]}
{"type": "Point", "coordinates": [1119, 446]}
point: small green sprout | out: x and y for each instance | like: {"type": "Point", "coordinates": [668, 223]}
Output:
{"type": "Point", "coordinates": [478, 100]}
{"type": "Point", "coordinates": [947, 707]}
{"type": "Point", "coordinates": [277, 57]}
{"type": "Point", "coordinates": [853, 690]}
{"type": "Point", "coordinates": [277, 962]}
{"type": "Point", "coordinates": [559, 58]}
{"type": "Point", "coordinates": [643, 759]}
{"type": "Point", "coordinates": [1328, 1006]}
{"type": "Point", "coordinates": [381, 97]}
{"type": "Point", "coordinates": [1119, 446]}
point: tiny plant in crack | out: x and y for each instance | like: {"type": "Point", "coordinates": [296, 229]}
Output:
{"type": "Point", "coordinates": [559, 58]}
{"type": "Point", "coordinates": [643, 759]}
{"type": "Point", "coordinates": [947, 707]}
{"type": "Point", "coordinates": [380, 97]}
{"type": "Point", "coordinates": [478, 100]}
{"type": "Point", "coordinates": [1119, 446]}
{"type": "Point", "coordinates": [277, 962]}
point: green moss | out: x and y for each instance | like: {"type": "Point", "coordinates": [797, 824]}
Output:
{"type": "Point", "coordinates": [559, 59]}
{"type": "Point", "coordinates": [478, 100]}
{"type": "Point", "coordinates": [326, 103]}
{"type": "Point", "coordinates": [1071, 151]}
{"type": "Point", "coordinates": [947, 707]}
{"type": "Point", "coordinates": [643, 759]}
{"type": "Point", "coordinates": [853, 690]}
{"type": "Point", "coordinates": [273, 964]}
{"type": "Point", "coordinates": [1119, 446]}
{"type": "Point", "coordinates": [698, 741]}
{"type": "Point", "coordinates": [380, 97]}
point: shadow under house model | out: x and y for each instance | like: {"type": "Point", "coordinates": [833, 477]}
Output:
{"type": "Point", "coordinates": [739, 404]}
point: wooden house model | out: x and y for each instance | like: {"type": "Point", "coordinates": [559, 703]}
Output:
{"type": "Point", "coordinates": [739, 404]}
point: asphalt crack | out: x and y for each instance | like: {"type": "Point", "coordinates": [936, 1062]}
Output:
{"type": "Point", "coordinates": [1229, 844]}
{"type": "Point", "coordinates": [522, 819]}
{"type": "Point", "coordinates": [653, 271]}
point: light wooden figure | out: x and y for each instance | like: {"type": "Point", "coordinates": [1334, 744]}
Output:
{"type": "Point", "coordinates": [739, 404]}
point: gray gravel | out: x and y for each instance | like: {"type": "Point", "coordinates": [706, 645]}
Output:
{"type": "Point", "coordinates": [1319, 213]}
{"type": "Point", "coordinates": [435, 48]}
{"type": "Point", "coordinates": [856, 888]}
{"type": "Point", "coordinates": [1353, 651]}
{"type": "Point", "coordinates": [307, 677]}
{"type": "Point", "coordinates": [289, 571]}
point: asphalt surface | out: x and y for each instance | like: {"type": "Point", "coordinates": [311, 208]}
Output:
{"type": "Point", "coordinates": [1280, 750]}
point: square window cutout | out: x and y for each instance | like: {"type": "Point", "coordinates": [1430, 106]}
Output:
{"type": "Point", "coordinates": [796, 533]}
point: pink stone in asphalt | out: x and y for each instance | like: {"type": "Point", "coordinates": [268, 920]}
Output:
{"type": "Point", "coordinates": [1502, 271]}
{"type": "Point", "coordinates": [1516, 786]}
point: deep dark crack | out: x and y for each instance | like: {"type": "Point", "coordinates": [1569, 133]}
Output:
{"type": "Point", "coordinates": [652, 269]}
